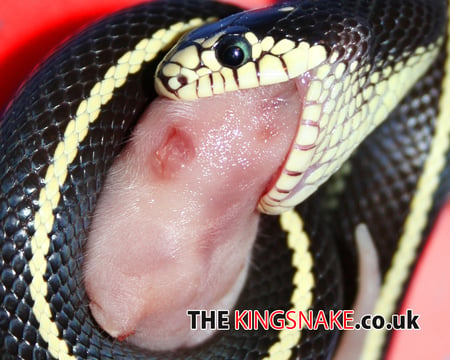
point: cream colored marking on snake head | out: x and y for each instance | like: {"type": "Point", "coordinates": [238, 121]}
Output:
{"type": "Point", "coordinates": [343, 101]}
{"type": "Point", "coordinates": [228, 62]}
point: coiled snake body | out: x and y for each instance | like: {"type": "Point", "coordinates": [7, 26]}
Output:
{"type": "Point", "coordinates": [64, 127]}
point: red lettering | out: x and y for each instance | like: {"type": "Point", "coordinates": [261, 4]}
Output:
{"type": "Point", "coordinates": [308, 321]}
{"type": "Point", "coordinates": [277, 325]}
{"type": "Point", "coordinates": [291, 320]}
{"type": "Point", "coordinates": [239, 320]}
{"type": "Point", "coordinates": [334, 320]}
{"type": "Point", "coordinates": [259, 319]}
{"type": "Point", "coordinates": [348, 318]}
{"type": "Point", "coordinates": [321, 320]}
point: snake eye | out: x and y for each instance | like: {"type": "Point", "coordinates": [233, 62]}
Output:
{"type": "Point", "coordinates": [233, 51]}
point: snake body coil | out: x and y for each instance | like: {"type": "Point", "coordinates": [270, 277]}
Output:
{"type": "Point", "coordinates": [69, 121]}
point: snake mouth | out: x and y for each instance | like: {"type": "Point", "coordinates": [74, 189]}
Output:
{"type": "Point", "coordinates": [298, 157]}
{"type": "Point", "coordinates": [292, 183]}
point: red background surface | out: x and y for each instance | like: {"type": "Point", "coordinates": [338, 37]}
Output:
{"type": "Point", "coordinates": [29, 29]}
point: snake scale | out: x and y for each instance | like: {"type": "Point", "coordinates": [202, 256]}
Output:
{"type": "Point", "coordinates": [70, 119]}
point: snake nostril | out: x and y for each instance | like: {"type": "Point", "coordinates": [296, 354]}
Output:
{"type": "Point", "coordinates": [182, 80]}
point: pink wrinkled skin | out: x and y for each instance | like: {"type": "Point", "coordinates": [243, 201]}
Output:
{"type": "Point", "coordinates": [175, 224]}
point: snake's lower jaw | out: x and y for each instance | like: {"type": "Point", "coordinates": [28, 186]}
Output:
{"type": "Point", "coordinates": [174, 227]}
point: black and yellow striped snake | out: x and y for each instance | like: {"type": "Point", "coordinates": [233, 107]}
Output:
{"type": "Point", "coordinates": [365, 61]}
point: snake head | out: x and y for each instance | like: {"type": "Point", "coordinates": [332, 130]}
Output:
{"type": "Point", "coordinates": [234, 54]}
{"type": "Point", "coordinates": [344, 89]}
